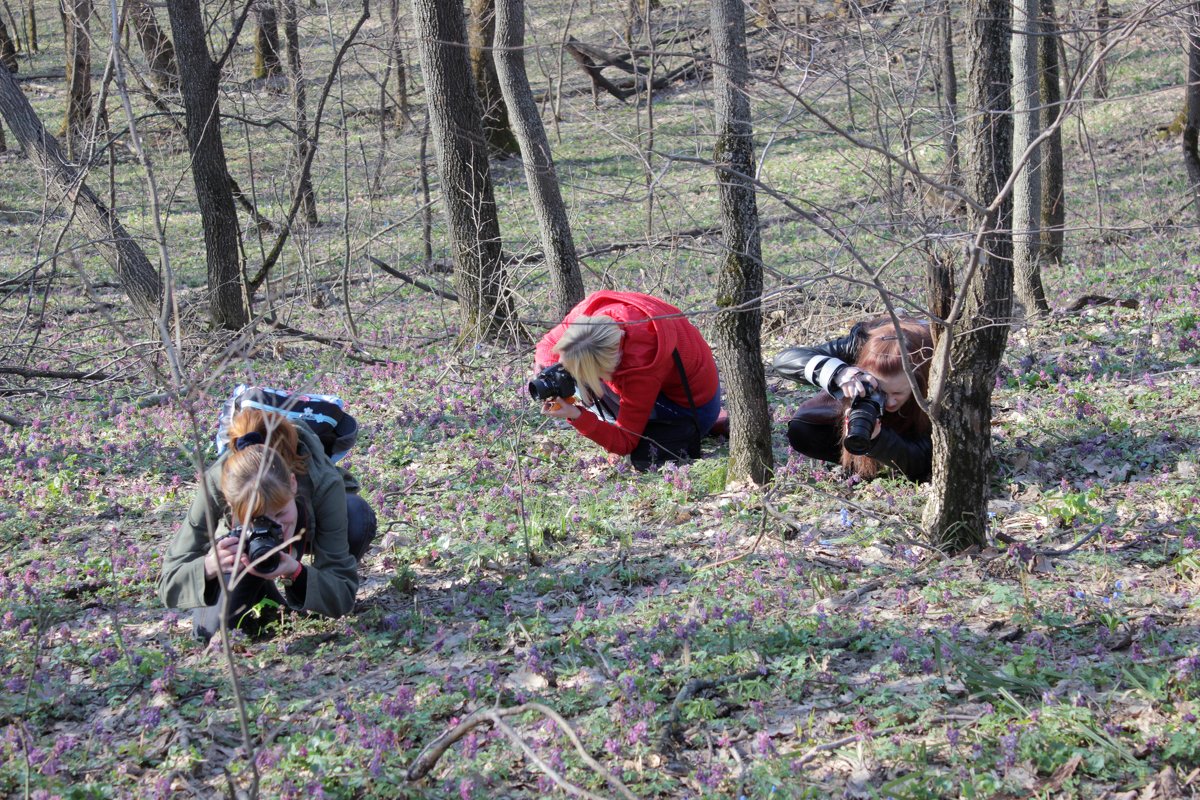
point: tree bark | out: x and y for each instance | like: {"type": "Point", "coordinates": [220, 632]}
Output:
{"type": "Point", "coordinates": [198, 85]}
{"type": "Point", "coordinates": [557, 242]}
{"type": "Point", "coordinates": [949, 86]}
{"type": "Point", "coordinates": [1053, 196]}
{"type": "Point", "coordinates": [266, 40]}
{"type": "Point", "coordinates": [8, 50]}
{"type": "Point", "coordinates": [738, 325]}
{"type": "Point", "coordinates": [160, 53]}
{"type": "Point", "coordinates": [485, 304]}
{"type": "Point", "coordinates": [482, 34]}
{"type": "Point", "coordinates": [31, 15]}
{"type": "Point", "coordinates": [1027, 191]}
{"type": "Point", "coordinates": [136, 275]}
{"type": "Point", "coordinates": [1191, 121]}
{"type": "Point", "coordinates": [76, 15]}
{"type": "Point", "coordinates": [969, 351]}
{"type": "Point", "coordinates": [302, 142]}
{"type": "Point", "coordinates": [396, 53]}
{"type": "Point", "coordinates": [1102, 20]}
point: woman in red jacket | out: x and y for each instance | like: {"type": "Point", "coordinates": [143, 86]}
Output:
{"type": "Point", "coordinates": [645, 376]}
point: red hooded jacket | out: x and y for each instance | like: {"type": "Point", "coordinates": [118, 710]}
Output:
{"type": "Point", "coordinates": [653, 330]}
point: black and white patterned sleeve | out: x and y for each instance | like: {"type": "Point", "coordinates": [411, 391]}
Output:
{"type": "Point", "coordinates": [820, 365]}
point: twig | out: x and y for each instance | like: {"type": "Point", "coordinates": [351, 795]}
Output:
{"type": "Point", "coordinates": [821, 748]}
{"type": "Point", "coordinates": [670, 734]}
{"type": "Point", "coordinates": [71, 375]}
{"type": "Point", "coordinates": [762, 531]}
{"type": "Point", "coordinates": [395, 273]}
{"type": "Point", "coordinates": [312, 337]}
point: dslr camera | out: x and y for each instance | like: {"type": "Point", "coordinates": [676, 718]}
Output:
{"type": "Point", "coordinates": [553, 381]}
{"type": "Point", "coordinates": [864, 413]}
{"type": "Point", "coordinates": [265, 535]}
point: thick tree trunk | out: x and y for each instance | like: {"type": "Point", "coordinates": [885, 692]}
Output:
{"type": "Point", "coordinates": [160, 53]}
{"type": "Point", "coordinates": [1053, 196]}
{"type": "Point", "coordinates": [481, 35]}
{"type": "Point", "coordinates": [1027, 191]}
{"type": "Point", "coordinates": [949, 85]}
{"type": "Point", "coordinates": [565, 280]}
{"type": "Point", "coordinates": [485, 304]}
{"type": "Point", "coordinates": [302, 141]}
{"type": "Point", "coordinates": [198, 84]}
{"type": "Point", "coordinates": [76, 15]}
{"type": "Point", "coordinates": [8, 50]}
{"type": "Point", "coordinates": [1191, 123]}
{"type": "Point", "coordinates": [137, 276]}
{"type": "Point", "coordinates": [739, 286]}
{"type": "Point", "coordinates": [266, 40]}
{"type": "Point", "coordinates": [956, 514]}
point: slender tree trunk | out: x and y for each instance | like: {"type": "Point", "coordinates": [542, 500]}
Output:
{"type": "Point", "coordinates": [266, 40]}
{"type": "Point", "coordinates": [740, 283]}
{"type": "Point", "coordinates": [76, 15]}
{"type": "Point", "coordinates": [31, 15]}
{"type": "Point", "coordinates": [485, 303]}
{"type": "Point", "coordinates": [160, 53]}
{"type": "Point", "coordinates": [396, 53]}
{"type": "Point", "coordinates": [1102, 20]}
{"type": "Point", "coordinates": [1027, 191]}
{"type": "Point", "coordinates": [198, 85]}
{"type": "Point", "coordinates": [1053, 196]}
{"type": "Point", "coordinates": [557, 243]}
{"type": "Point", "coordinates": [496, 125]}
{"type": "Point", "coordinates": [949, 94]}
{"type": "Point", "coordinates": [1191, 123]}
{"type": "Point", "coordinates": [8, 50]}
{"type": "Point", "coordinates": [302, 141]}
{"type": "Point", "coordinates": [956, 514]}
{"type": "Point", "coordinates": [137, 276]}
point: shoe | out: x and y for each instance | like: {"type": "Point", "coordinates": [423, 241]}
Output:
{"type": "Point", "coordinates": [721, 426]}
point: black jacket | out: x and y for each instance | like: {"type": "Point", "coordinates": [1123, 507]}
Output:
{"type": "Point", "coordinates": [821, 365]}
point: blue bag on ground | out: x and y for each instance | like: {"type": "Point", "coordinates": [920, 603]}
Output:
{"type": "Point", "coordinates": [325, 414]}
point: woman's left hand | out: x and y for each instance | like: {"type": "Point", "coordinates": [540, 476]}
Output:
{"type": "Point", "coordinates": [560, 409]}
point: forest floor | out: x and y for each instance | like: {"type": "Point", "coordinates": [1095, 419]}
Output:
{"type": "Point", "coordinates": [699, 638]}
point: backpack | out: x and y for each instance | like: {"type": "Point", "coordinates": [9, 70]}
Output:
{"type": "Point", "coordinates": [325, 415]}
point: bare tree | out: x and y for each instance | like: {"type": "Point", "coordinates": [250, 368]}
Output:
{"type": "Point", "coordinates": [481, 35]}
{"type": "Point", "coordinates": [1027, 191]}
{"type": "Point", "coordinates": [301, 140]}
{"type": "Point", "coordinates": [76, 15]}
{"type": "Point", "coordinates": [137, 277]}
{"type": "Point", "coordinates": [485, 304]}
{"type": "Point", "coordinates": [972, 343]}
{"type": "Point", "coordinates": [1053, 196]}
{"type": "Point", "coordinates": [1101, 73]}
{"type": "Point", "coordinates": [740, 283]}
{"type": "Point", "coordinates": [559, 246]}
{"type": "Point", "coordinates": [267, 63]}
{"type": "Point", "coordinates": [199, 79]}
{"type": "Point", "coordinates": [160, 53]}
{"type": "Point", "coordinates": [948, 86]}
{"type": "Point", "coordinates": [1191, 123]}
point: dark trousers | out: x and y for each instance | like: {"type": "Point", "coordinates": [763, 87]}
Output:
{"type": "Point", "coordinates": [816, 428]}
{"type": "Point", "coordinates": [250, 590]}
{"type": "Point", "coordinates": [674, 432]}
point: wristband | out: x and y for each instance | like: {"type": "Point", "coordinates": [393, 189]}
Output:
{"type": "Point", "coordinates": [288, 580]}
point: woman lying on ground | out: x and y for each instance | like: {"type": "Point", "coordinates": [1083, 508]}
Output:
{"type": "Point", "coordinates": [273, 481]}
{"type": "Point", "coordinates": [869, 359]}
{"type": "Point", "coordinates": [646, 377]}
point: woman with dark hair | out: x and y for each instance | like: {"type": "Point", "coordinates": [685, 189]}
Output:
{"type": "Point", "coordinates": [869, 359]}
{"type": "Point", "coordinates": [273, 475]}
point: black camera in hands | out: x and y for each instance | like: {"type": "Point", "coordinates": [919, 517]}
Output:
{"type": "Point", "coordinates": [553, 381]}
{"type": "Point", "coordinates": [860, 423]}
{"type": "Point", "coordinates": [265, 535]}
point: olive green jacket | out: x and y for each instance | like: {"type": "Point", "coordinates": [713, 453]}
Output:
{"type": "Point", "coordinates": [332, 573]}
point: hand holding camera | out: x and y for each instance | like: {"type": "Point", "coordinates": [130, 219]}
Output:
{"type": "Point", "coordinates": [555, 387]}
{"type": "Point", "coordinates": [856, 383]}
{"type": "Point", "coordinates": [264, 554]}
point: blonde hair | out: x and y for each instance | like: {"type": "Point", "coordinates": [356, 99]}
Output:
{"type": "Point", "coordinates": [257, 476]}
{"type": "Point", "coordinates": [590, 349]}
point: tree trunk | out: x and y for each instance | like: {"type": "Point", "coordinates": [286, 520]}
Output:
{"type": "Point", "coordinates": [266, 40]}
{"type": "Point", "coordinates": [485, 304]}
{"type": "Point", "coordinates": [1191, 123]}
{"type": "Point", "coordinates": [1027, 191]}
{"type": "Point", "coordinates": [557, 243]}
{"type": "Point", "coordinates": [1053, 205]}
{"type": "Point", "coordinates": [160, 53]}
{"type": "Point", "coordinates": [136, 275]}
{"type": "Point", "coordinates": [949, 82]}
{"type": "Point", "coordinates": [1102, 19]}
{"type": "Point", "coordinates": [396, 53]}
{"type": "Point", "coordinates": [198, 85]}
{"type": "Point", "coordinates": [302, 141]}
{"type": "Point", "coordinates": [738, 325]}
{"type": "Point", "coordinates": [31, 15]}
{"type": "Point", "coordinates": [76, 15]}
{"type": "Point", "coordinates": [8, 50]}
{"type": "Point", "coordinates": [956, 514]}
{"type": "Point", "coordinates": [496, 125]}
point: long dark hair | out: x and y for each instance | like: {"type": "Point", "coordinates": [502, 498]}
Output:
{"type": "Point", "coordinates": [883, 354]}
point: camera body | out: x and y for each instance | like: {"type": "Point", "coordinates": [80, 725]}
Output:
{"type": "Point", "coordinates": [860, 424]}
{"type": "Point", "coordinates": [265, 535]}
{"type": "Point", "coordinates": [553, 381]}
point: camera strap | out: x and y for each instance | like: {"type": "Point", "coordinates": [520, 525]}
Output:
{"type": "Point", "coordinates": [687, 389]}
